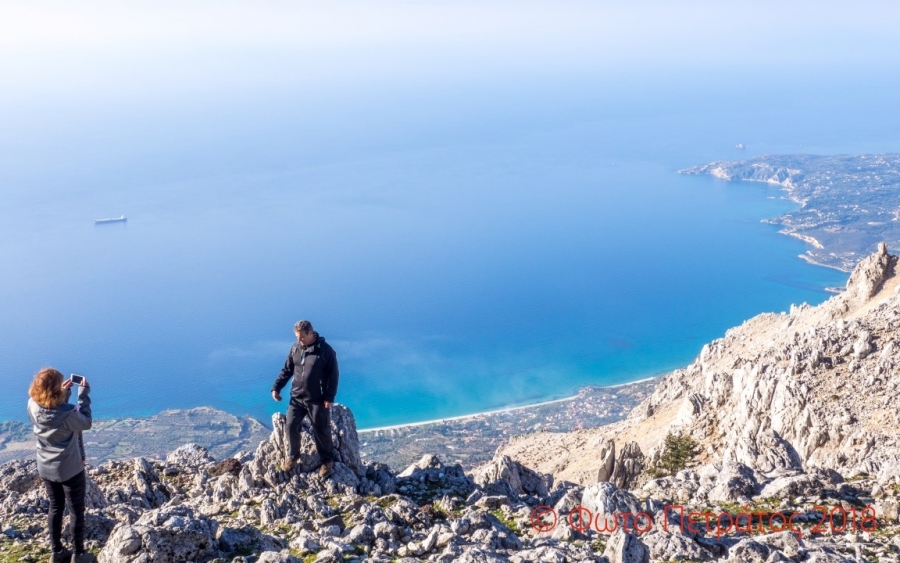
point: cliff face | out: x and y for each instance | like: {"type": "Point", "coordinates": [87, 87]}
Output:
{"type": "Point", "coordinates": [815, 388]}
{"type": "Point", "coordinates": [781, 175]}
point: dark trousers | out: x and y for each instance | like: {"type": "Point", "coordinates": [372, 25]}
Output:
{"type": "Point", "coordinates": [321, 424]}
{"type": "Point", "coordinates": [58, 493]}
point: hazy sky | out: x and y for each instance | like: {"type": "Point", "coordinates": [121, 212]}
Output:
{"type": "Point", "coordinates": [64, 66]}
{"type": "Point", "coordinates": [43, 40]}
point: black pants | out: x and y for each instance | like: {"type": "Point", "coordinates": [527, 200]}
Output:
{"type": "Point", "coordinates": [73, 492]}
{"type": "Point", "coordinates": [321, 424]}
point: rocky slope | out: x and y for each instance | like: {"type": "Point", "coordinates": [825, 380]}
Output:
{"type": "Point", "coordinates": [191, 508]}
{"type": "Point", "coordinates": [795, 414]}
{"type": "Point", "coordinates": [786, 406]}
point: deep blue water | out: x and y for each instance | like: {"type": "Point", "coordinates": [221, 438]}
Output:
{"type": "Point", "coordinates": [498, 242]}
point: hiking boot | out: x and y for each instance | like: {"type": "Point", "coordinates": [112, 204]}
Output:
{"type": "Point", "coordinates": [326, 470]}
{"type": "Point", "coordinates": [83, 557]}
{"type": "Point", "coordinates": [60, 556]}
{"type": "Point", "coordinates": [289, 464]}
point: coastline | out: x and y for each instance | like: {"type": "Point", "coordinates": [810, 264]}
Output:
{"type": "Point", "coordinates": [467, 439]}
{"type": "Point", "coordinates": [474, 416]}
{"type": "Point", "coordinates": [805, 238]}
{"type": "Point", "coordinates": [810, 260]}
{"type": "Point", "coordinates": [471, 440]}
{"type": "Point", "coordinates": [822, 186]}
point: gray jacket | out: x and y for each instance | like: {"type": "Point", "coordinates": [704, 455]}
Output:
{"type": "Point", "coordinates": [60, 450]}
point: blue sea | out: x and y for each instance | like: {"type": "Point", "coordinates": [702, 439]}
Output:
{"type": "Point", "coordinates": [466, 240]}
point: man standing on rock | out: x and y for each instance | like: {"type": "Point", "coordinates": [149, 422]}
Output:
{"type": "Point", "coordinates": [313, 365]}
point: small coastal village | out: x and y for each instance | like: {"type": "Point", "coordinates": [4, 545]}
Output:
{"type": "Point", "coordinates": [472, 440]}
{"type": "Point", "coordinates": [848, 203]}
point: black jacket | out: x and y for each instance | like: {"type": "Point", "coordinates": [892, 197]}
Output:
{"type": "Point", "coordinates": [315, 372]}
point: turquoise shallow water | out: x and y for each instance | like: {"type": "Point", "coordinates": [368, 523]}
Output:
{"type": "Point", "coordinates": [461, 252]}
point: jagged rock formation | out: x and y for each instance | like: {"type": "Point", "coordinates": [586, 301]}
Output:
{"type": "Point", "coordinates": [189, 507]}
{"type": "Point", "coordinates": [786, 406]}
{"type": "Point", "coordinates": [814, 388]}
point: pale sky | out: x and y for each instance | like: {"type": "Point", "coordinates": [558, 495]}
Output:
{"type": "Point", "coordinates": [613, 33]}
{"type": "Point", "coordinates": [108, 51]}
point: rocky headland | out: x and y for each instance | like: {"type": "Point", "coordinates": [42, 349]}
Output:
{"type": "Point", "coordinates": [795, 456]}
{"type": "Point", "coordinates": [848, 203]}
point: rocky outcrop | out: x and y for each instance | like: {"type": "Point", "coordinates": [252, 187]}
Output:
{"type": "Point", "coordinates": [777, 393]}
{"type": "Point", "coordinates": [429, 478]}
{"type": "Point", "coordinates": [624, 547]}
{"type": "Point", "coordinates": [606, 501]}
{"type": "Point", "coordinates": [189, 507]}
{"type": "Point", "coordinates": [522, 480]}
{"type": "Point", "coordinates": [170, 534]}
{"type": "Point", "coordinates": [784, 409]}
{"type": "Point", "coordinates": [266, 465]}
{"type": "Point", "coordinates": [607, 460]}
{"type": "Point", "coordinates": [628, 467]}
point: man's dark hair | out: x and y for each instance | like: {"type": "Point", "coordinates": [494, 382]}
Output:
{"type": "Point", "coordinates": [303, 326]}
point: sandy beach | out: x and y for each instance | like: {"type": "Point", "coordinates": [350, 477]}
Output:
{"type": "Point", "coordinates": [474, 416]}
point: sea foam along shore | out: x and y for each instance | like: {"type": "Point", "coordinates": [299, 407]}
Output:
{"type": "Point", "coordinates": [474, 416]}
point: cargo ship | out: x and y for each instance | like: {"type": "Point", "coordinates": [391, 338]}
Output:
{"type": "Point", "coordinates": [121, 219]}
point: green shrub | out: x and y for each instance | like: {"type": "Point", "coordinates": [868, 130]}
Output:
{"type": "Point", "coordinates": [678, 453]}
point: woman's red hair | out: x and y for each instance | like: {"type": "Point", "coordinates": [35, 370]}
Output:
{"type": "Point", "coordinates": [46, 389]}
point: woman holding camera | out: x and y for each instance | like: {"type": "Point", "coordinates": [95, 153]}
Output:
{"type": "Point", "coordinates": [60, 455]}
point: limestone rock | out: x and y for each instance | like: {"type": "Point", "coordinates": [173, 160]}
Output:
{"type": "Point", "coordinates": [607, 459]}
{"type": "Point", "coordinates": [733, 481]}
{"type": "Point", "coordinates": [269, 460]}
{"type": "Point", "coordinates": [429, 475]}
{"type": "Point", "coordinates": [625, 547]}
{"type": "Point", "coordinates": [521, 479]}
{"type": "Point", "coordinates": [607, 500]}
{"type": "Point", "coordinates": [793, 486]}
{"type": "Point", "coordinates": [277, 557]}
{"type": "Point", "coordinates": [345, 438]}
{"type": "Point", "coordinates": [19, 476]}
{"type": "Point", "coordinates": [629, 465]}
{"type": "Point", "coordinates": [871, 273]}
{"type": "Point", "coordinates": [673, 546]}
{"type": "Point", "coordinates": [191, 456]}
{"type": "Point", "coordinates": [174, 535]}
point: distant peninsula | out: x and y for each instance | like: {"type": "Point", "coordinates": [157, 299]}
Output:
{"type": "Point", "coordinates": [849, 203]}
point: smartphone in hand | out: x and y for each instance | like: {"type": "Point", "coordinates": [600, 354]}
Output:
{"type": "Point", "coordinates": [77, 379]}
